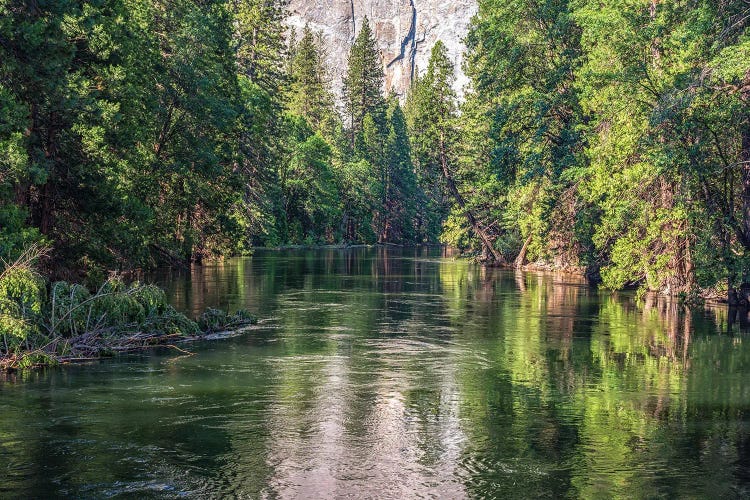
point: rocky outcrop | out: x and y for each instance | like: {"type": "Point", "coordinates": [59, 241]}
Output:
{"type": "Point", "coordinates": [405, 30]}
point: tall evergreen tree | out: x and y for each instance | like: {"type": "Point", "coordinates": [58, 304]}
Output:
{"type": "Point", "coordinates": [434, 132]}
{"type": "Point", "coordinates": [401, 193]}
{"type": "Point", "coordinates": [309, 95]}
{"type": "Point", "coordinates": [363, 83]}
{"type": "Point", "coordinates": [260, 45]}
{"type": "Point", "coordinates": [260, 42]}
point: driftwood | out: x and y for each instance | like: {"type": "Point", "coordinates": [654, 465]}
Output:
{"type": "Point", "coordinates": [93, 346]}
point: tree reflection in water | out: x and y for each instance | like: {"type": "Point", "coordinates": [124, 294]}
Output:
{"type": "Point", "coordinates": [395, 373]}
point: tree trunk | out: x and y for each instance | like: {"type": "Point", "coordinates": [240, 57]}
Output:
{"type": "Point", "coordinates": [522, 254]}
{"type": "Point", "coordinates": [45, 210]}
{"type": "Point", "coordinates": [745, 162]}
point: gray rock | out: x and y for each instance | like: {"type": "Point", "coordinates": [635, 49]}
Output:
{"type": "Point", "coordinates": [406, 31]}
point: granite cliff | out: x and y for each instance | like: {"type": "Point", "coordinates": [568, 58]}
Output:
{"type": "Point", "coordinates": [405, 30]}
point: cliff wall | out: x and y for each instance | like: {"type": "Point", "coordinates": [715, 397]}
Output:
{"type": "Point", "coordinates": [406, 31]}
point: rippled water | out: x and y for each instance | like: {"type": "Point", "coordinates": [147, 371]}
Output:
{"type": "Point", "coordinates": [396, 374]}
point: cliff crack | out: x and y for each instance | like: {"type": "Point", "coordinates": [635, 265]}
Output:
{"type": "Point", "coordinates": [408, 41]}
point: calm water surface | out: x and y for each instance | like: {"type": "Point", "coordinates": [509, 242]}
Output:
{"type": "Point", "coordinates": [396, 374]}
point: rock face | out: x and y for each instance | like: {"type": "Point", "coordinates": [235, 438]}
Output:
{"type": "Point", "coordinates": [406, 31]}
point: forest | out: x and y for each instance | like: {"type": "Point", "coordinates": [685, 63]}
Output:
{"type": "Point", "coordinates": [344, 291]}
{"type": "Point", "coordinates": [602, 137]}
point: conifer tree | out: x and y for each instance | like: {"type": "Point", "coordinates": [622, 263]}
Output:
{"type": "Point", "coordinates": [260, 45]}
{"type": "Point", "coordinates": [363, 83]}
{"type": "Point", "coordinates": [435, 136]}
{"type": "Point", "coordinates": [308, 94]}
{"type": "Point", "coordinates": [400, 183]}
{"type": "Point", "coordinates": [261, 42]}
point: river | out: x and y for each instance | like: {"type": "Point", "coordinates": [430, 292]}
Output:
{"type": "Point", "coordinates": [389, 373]}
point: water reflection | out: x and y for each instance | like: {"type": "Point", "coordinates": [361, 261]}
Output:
{"type": "Point", "coordinates": [399, 373]}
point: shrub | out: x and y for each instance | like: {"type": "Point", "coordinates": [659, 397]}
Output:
{"type": "Point", "coordinates": [22, 295]}
{"type": "Point", "coordinates": [116, 308]}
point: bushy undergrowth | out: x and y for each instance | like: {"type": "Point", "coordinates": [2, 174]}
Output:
{"type": "Point", "coordinates": [22, 292]}
{"type": "Point", "coordinates": [40, 322]}
{"type": "Point", "coordinates": [114, 307]}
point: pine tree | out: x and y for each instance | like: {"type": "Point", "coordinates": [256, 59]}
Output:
{"type": "Point", "coordinates": [400, 184]}
{"type": "Point", "coordinates": [261, 42]}
{"type": "Point", "coordinates": [434, 135]}
{"type": "Point", "coordinates": [308, 94]}
{"type": "Point", "coordinates": [260, 45]}
{"type": "Point", "coordinates": [371, 148]}
{"type": "Point", "coordinates": [363, 84]}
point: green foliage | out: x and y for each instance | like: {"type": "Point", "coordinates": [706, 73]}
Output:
{"type": "Point", "coordinates": [402, 195]}
{"type": "Point", "coordinates": [68, 314]}
{"type": "Point", "coordinates": [259, 39]}
{"type": "Point", "coordinates": [359, 190]}
{"type": "Point", "coordinates": [363, 84]}
{"type": "Point", "coordinates": [522, 59]}
{"type": "Point", "coordinates": [435, 134]}
{"type": "Point", "coordinates": [308, 93]}
{"type": "Point", "coordinates": [612, 135]}
{"type": "Point", "coordinates": [309, 188]}
{"type": "Point", "coordinates": [426, 118]}
{"type": "Point", "coordinates": [22, 297]}
{"type": "Point", "coordinates": [595, 135]}
{"type": "Point", "coordinates": [39, 323]}
{"type": "Point", "coordinates": [125, 135]}
{"type": "Point", "coordinates": [138, 132]}
{"type": "Point", "coordinates": [115, 308]}
{"type": "Point", "coordinates": [261, 42]}
{"type": "Point", "coordinates": [659, 152]}
{"type": "Point", "coordinates": [216, 320]}
{"type": "Point", "coordinates": [357, 185]}
{"type": "Point", "coordinates": [15, 234]}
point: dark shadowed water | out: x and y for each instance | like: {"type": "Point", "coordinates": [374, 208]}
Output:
{"type": "Point", "coordinates": [396, 374]}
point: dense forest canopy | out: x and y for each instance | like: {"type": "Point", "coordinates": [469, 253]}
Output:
{"type": "Point", "coordinates": [604, 136]}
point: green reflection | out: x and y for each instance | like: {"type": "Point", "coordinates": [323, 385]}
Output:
{"type": "Point", "coordinates": [397, 373]}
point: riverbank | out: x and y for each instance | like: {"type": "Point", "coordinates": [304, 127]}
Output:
{"type": "Point", "coordinates": [107, 343]}
{"type": "Point", "coordinates": [43, 323]}
{"type": "Point", "coordinates": [689, 297]}
{"type": "Point", "coordinates": [347, 246]}
{"type": "Point", "coordinates": [91, 347]}
{"type": "Point", "coordinates": [591, 274]}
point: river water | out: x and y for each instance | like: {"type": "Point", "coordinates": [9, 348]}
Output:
{"type": "Point", "coordinates": [382, 373]}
